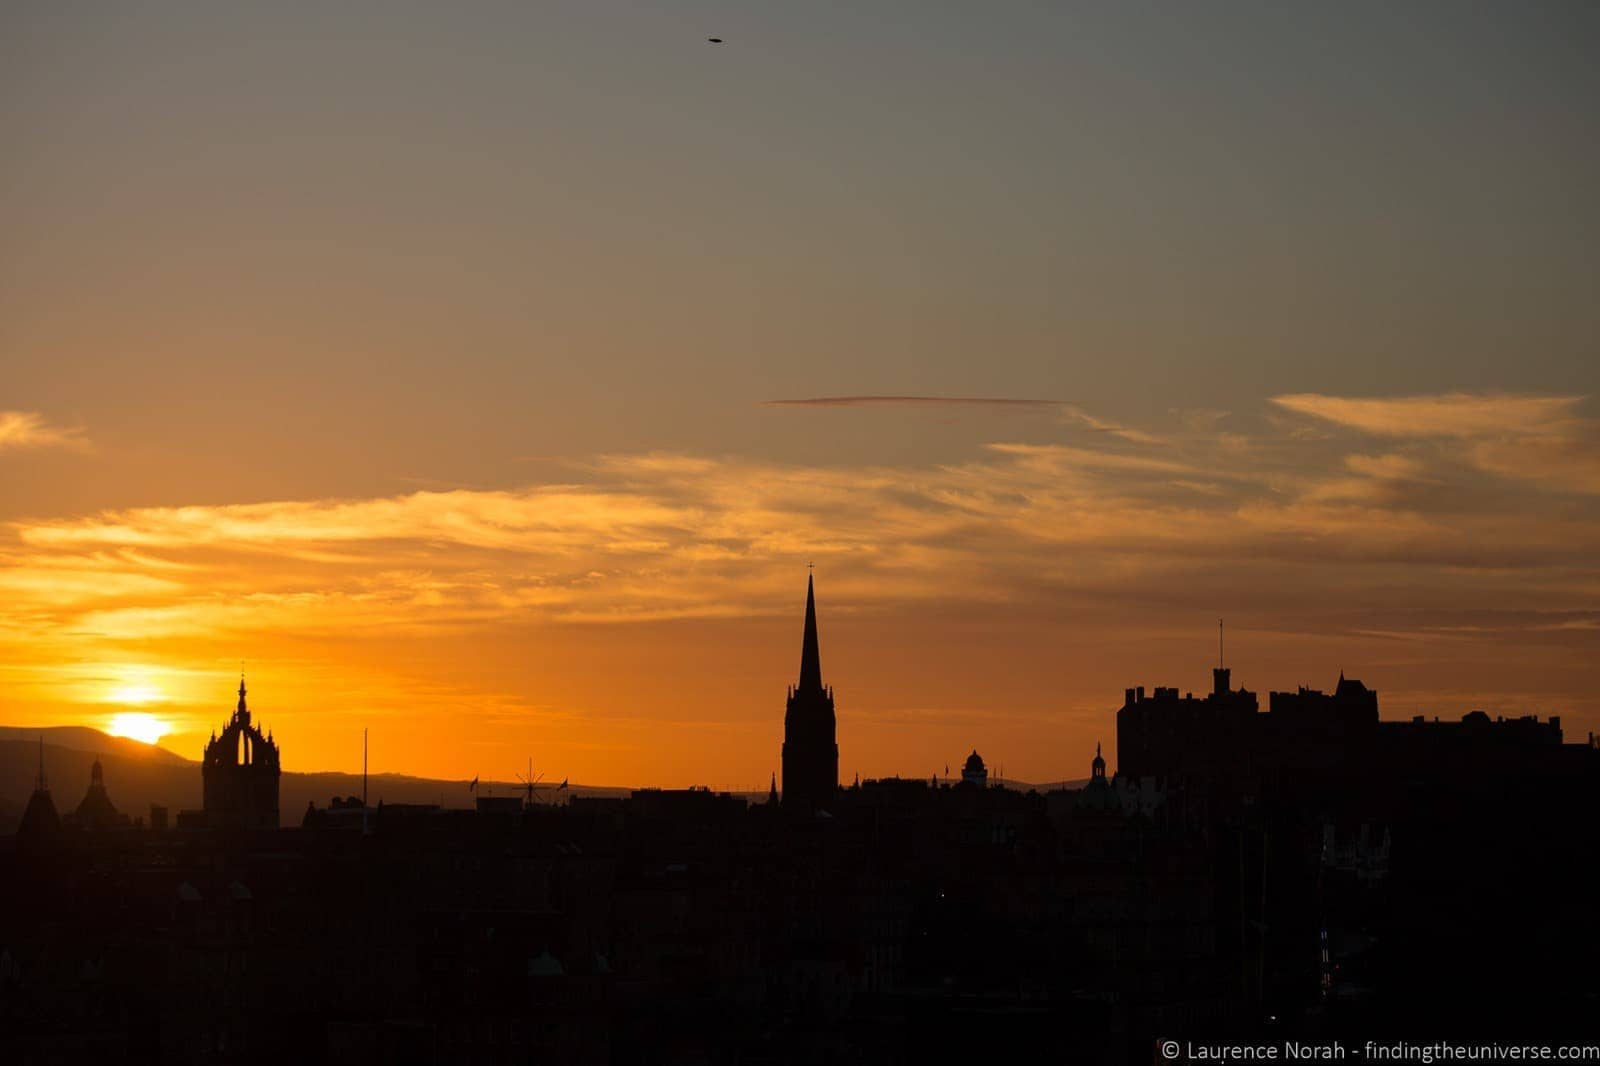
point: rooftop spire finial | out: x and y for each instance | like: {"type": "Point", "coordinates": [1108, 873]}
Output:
{"type": "Point", "coordinates": [810, 654]}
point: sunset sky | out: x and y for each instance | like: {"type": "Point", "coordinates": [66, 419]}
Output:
{"type": "Point", "coordinates": [487, 374]}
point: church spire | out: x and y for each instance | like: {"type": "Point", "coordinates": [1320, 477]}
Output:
{"type": "Point", "coordinates": [810, 656]}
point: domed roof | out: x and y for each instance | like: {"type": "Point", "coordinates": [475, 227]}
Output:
{"type": "Point", "coordinates": [974, 761]}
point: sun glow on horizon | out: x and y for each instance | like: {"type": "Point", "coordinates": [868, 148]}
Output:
{"type": "Point", "coordinates": [135, 694]}
{"type": "Point", "coordinates": [136, 725]}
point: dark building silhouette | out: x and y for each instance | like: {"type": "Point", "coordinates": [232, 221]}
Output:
{"type": "Point", "coordinates": [974, 772]}
{"type": "Point", "coordinates": [810, 746]}
{"type": "Point", "coordinates": [1225, 736]}
{"type": "Point", "coordinates": [40, 821]}
{"type": "Point", "coordinates": [1164, 734]}
{"type": "Point", "coordinates": [1306, 872]}
{"type": "Point", "coordinates": [96, 811]}
{"type": "Point", "coordinates": [1098, 795]}
{"type": "Point", "coordinates": [241, 774]}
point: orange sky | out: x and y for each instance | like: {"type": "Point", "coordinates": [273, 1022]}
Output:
{"type": "Point", "coordinates": [638, 621]}
{"type": "Point", "coordinates": [489, 381]}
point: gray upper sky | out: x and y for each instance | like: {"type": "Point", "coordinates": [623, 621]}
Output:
{"type": "Point", "coordinates": [429, 240]}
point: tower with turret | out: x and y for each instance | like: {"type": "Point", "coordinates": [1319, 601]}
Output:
{"type": "Point", "coordinates": [241, 774]}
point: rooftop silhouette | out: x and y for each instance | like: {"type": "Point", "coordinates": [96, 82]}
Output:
{"type": "Point", "coordinates": [1301, 870]}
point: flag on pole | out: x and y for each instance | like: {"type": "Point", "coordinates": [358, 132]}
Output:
{"type": "Point", "coordinates": [474, 786]}
{"type": "Point", "coordinates": [562, 785]}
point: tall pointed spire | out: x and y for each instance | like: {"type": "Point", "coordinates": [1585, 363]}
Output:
{"type": "Point", "coordinates": [810, 655]}
{"type": "Point", "coordinates": [810, 742]}
{"type": "Point", "coordinates": [39, 818]}
{"type": "Point", "coordinates": [241, 694]}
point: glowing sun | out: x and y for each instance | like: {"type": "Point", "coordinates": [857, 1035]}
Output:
{"type": "Point", "coordinates": [136, 725]}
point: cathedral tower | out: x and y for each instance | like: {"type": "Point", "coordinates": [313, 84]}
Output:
{"type": "Point", "coordinates": [810, 746]}
{"type": "Point", "coordinates": [240, 772]}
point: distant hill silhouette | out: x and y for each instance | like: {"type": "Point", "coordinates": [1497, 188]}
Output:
{"type": "Point", "coordinates": [138, 775]}
{"type": "Point", "coordinates": [83, 738]}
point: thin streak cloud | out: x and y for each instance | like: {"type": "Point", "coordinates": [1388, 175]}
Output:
{"type": "Point", "coordinates": [914, 401]}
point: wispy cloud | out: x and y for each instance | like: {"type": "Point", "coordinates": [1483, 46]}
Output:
{"type": "Point", "coordinates": [1098, 529]}
{"type": "Point", "coordinates": [1070, 412]}
{"type": "Point", "coordinates": [913, 401]}
{"type": "Point", "coordinates": [1075, 413]}
{"type": "Point", "coordinates": [29, 429]}
{"type": "Point", "coordinates": [1387, 467]}
{"type": "Point", "coordinates": [665, 535]}
{"type": "Point", "coordinates": [1532, 439]}
{"type": "Point", "coordinates": [1455, 414]}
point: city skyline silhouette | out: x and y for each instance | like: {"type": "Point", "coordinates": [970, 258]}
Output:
{"type": "Point", "coordinates": [810, 685]}
{"type": "Point", "coordinates": [1303, 871]}
{"type": "Point", "coordinates": [416, 421]}
{"type": "Point", "coordinates": [807, 750]}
